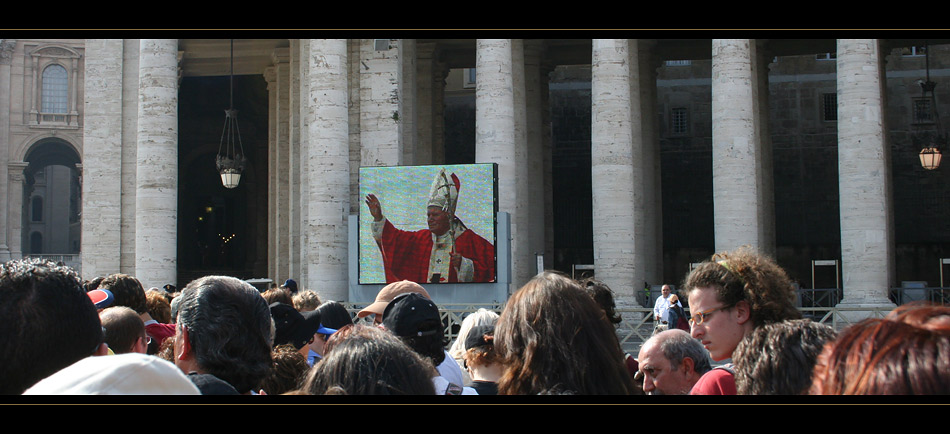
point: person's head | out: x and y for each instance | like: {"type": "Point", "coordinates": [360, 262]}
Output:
{"type": "Point", "coordinates": [604, 296]}
{"type": "Point", "coordinates": [224, 329]}
{"type": "Point", "coordinates": [779, 358]}
{"type": "Point", "coordinates": [48, 322]}
{"type": "Point", "coordinates": [287, 371]}
{"type": "Point", "coordinates": [733, 293]}
{"type": "Point", "coordinates": [416, 320]}
{"type": "Point", "coordinates": [898, 355]}
{"type": "Point", "coordinates": [387, 294]}
{"type": "Point", "coordinates": [923, 315]}
{"type": "Point", "coordinates": [125, 331]}
{"type": "Point", "coordinates": [93, 283]}
{"type": "Point", "coordinates": [159, 307]}
{"type": "Point", "coordinates": [480, 348]}
{"type": "Point", "coordinates": [128, 291]}
{"type": "Point", "coordinates": [279, 295]}
{"type": "Point", "coordinates": [481, 317]}
{"type": "Point", "coordinates": [290, 285]}
{"type": "Point", "coordinates": [665, 291]}
{"type": "Point", "coordinates": [672, 362]}
{"type": "Point", "coordinates": [366, 360]}
{"type": "Point", "coordinates": [438, 220]}
{"type": "Point", "coordinates": [306, 300]}
{"type": "Point", "coordinates": [333, 316]}
{"type": "Point", "coordinates": [553, 339]}
{"type": "Point", "coordinates": [294, 328]}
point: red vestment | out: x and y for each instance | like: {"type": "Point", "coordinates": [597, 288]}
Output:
{"type": "Point", "coordinates": [406, 255]}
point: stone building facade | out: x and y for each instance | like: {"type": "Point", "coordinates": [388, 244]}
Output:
{"type": "Point", "coordinates": [638, 156]}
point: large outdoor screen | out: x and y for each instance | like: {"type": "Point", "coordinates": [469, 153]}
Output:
{"type": "Point", "coordinates": [428, 224]}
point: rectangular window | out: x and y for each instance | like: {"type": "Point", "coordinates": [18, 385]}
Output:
{"type": "Point", "coordinates": [923, 111]}
{"type": "Point", "coordinates": [679, 121]}
{"type": "Point", "coordinates": [829, 104]}
{"type": "Point", "coordinates": [826, 56]}
{"type": "Point", "coordinates": [913, 51]}
{"type": "Point", "coordinates": [678, 63]}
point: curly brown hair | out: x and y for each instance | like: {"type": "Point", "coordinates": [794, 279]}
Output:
{"type": "Point", "coordinates": [747, 275]}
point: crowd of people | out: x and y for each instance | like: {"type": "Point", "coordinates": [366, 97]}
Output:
{"type": "Point", "coordinates": [555, 336]}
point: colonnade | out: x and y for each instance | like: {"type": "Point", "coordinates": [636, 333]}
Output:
{"type": "Point", "coordinates": [338, 104]}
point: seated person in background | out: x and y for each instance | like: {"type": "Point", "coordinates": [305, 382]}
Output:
{"type": "Point", "coordinates": [779, 358]}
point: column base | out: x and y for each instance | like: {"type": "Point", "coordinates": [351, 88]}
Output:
{"type": "Point", "coordinates": [855, 311]}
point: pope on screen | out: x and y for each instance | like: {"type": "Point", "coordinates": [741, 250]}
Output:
{"type": "Point", "coordinates": [446, 252]}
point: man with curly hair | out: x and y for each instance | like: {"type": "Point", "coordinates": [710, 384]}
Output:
{"type": "Point", "coordinates": [730, 295]}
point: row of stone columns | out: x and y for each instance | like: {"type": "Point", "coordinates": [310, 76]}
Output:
{"type": "Point", "coordinates": [623, 163]}
{"type": "Point", "coordinates": [314, 132]}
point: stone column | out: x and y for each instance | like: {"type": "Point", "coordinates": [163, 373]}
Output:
{"type": "Point", "coordinates": [425, 62]}
{"type": "Point", "coordinates": [379, 76]}
{"type": "Point", "coordinates": [406, 119]}
{"type": "Point", "coordinates": [652, 233]}
{"type": "Point", "coordinates": [6, 214]}
{"type": "Point", "coordinates": [293, 191]}
{"type": "Point", "coordinates": [864, 176]}
{"type": "Point", "coordinates": [329, 173]}
{"type": "Point", "coordinates": [156, 194]}
{"type": "Point", "coordinates": [495, 138]}
{"type": "Point", "coordinates": [737, 154]}
{"type": "Point", "coordinates": [270, 77]}
{"type": "Point", "coordinates": [615, 144]}
{"type": "Point", "coordinates": [535, 148]}
{"type": "Point", "coordinates": [304, 193]}
{"type": "Point", "coordinates": [15, 202]}
{"type": "Point", "coordinates": [130, 118]}
{"type": "Point", "coordinates": [102, 169]}
{"type": "Point", "coordinates": [279, 177]}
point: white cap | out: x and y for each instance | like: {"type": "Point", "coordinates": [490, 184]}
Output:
{"type": "Point", "coordinates": [121, 374]}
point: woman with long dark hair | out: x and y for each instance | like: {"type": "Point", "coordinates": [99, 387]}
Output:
{"type": "Point", "coordinates": [553, 339]}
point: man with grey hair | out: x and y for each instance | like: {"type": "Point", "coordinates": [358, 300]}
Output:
{"type": "Point", "coordinates": [671, 362]}
{"type": "Point", "coordinates": [224, 335]}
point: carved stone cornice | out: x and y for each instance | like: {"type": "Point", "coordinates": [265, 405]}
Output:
{"type": "Point", "coordinates": [6, 51]}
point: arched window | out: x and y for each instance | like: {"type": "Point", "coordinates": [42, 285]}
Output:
{"type": "Point", "coordinates": [55, 90]}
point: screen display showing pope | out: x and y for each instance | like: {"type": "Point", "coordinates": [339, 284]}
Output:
{"type": "Point", "coordinates": [418, 230]}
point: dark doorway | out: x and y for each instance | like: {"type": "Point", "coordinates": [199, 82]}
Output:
{"type": "Point", "coordinates": [221, 231]}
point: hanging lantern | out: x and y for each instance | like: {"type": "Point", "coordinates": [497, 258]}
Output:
{"type": "Point", "coordinates": [930, 154]}
{"type": "Point", "coordinates": [230, 162]}
{"type": "Point", "coordinates": [930, 158]}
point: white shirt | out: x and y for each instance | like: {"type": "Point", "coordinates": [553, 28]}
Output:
{"type": "Point", "coordinates": [662, 307]}
{"type": "Point", "coordinates": [450, 370]}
